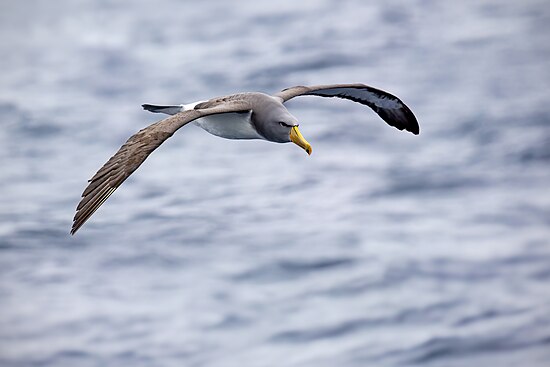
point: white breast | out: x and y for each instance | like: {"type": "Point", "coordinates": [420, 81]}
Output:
{"type": "Point", "coordinates": [229, 126]}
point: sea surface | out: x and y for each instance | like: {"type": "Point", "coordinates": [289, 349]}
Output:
{"type": "Point", "coordinates": [380, 249]}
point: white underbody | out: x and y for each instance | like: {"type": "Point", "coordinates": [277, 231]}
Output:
{"type": "Point", "coordinates": [227, 125]}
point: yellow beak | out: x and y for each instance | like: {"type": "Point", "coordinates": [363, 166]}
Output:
{"type": "Point", "coordinates": [297, 138]}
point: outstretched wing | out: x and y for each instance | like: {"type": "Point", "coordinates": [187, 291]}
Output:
{"type": "Point", "coordinates": [390, 108]}
{"type": "Point", "coordinates": [133, 153]}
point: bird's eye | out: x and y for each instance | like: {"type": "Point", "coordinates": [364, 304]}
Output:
{"type": "Point", "coordinates": [284, 124]}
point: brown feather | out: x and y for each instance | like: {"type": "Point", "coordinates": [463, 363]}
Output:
{"type": "Point", "coordinates": [134, 152]}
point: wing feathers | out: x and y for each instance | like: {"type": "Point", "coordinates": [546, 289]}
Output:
{"type": "Point", "coordinates": [132, 154]}
{"type": "Point", "coordinates": [390, 108]}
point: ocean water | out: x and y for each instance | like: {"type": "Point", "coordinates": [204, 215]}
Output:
{"type": "Point", "coordinates": [380, 249]}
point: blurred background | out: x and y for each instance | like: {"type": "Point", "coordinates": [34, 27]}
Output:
{"type": "Point", "coordinates": [381, 249]}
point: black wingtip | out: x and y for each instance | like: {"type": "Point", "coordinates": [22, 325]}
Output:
{"type": "Point", "coordinates": [405, 120]}
{"type": "Point", "coordinates": [412, 122]}
{"type": "Point", "coordinates": [413, 126]}
{"type": "Point", "coordinates": [402, 119]}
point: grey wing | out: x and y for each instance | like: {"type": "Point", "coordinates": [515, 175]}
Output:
{"type": "Point", "coordinates": [390, 108]}
{"type": "Point", "coordinates": [131, 155]}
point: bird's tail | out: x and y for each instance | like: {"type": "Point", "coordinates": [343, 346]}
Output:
{"type": "Point", "coordinates": [169, 110]}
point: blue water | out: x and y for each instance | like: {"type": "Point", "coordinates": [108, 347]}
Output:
{"type": "Point", "coordinates": [381, 249]}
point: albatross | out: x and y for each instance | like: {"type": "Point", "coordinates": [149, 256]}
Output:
{"type": "Point", "coordinates": [250, 115]}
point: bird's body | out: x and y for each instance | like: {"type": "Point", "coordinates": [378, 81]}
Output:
{"type": "Point", "coordinates": [239, 125]}
{"type": "Point", "coordinates": [249, 115]}
{"type": "Point", "coordinates": [229, 125]}
{"type": "Point", "coordinates": [248, 124]}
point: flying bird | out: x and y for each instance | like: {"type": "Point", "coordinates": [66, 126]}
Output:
{"type": "Point", "coordinates": [248, 115]}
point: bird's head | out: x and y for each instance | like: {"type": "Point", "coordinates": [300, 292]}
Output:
{"type": "Point", "coordinates": [281, 127]}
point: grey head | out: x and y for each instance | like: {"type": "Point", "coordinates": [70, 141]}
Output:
{"type": "Point", "coordinates": [273, 121]}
